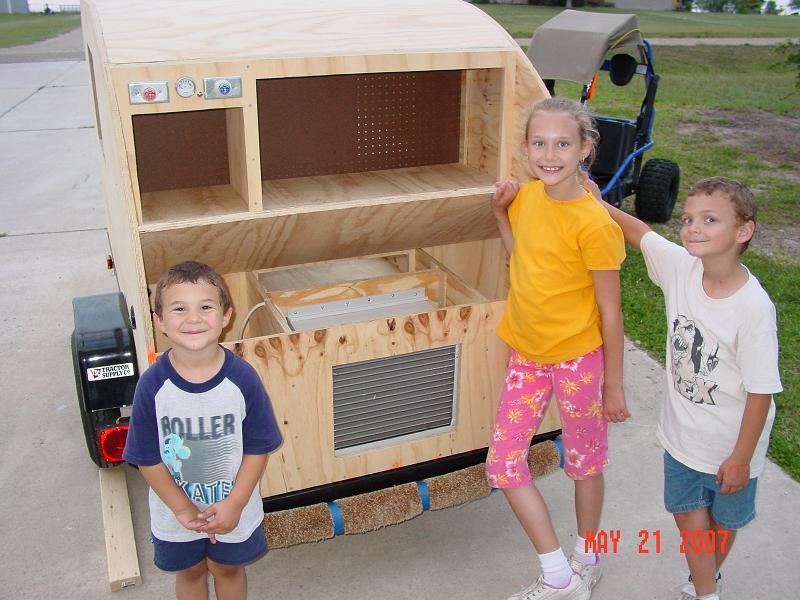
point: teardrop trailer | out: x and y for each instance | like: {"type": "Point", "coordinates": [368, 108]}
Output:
{"type": "Point", "coordinates": [334, 163]}
{"type": "Point", "coordinates": [576, 46]}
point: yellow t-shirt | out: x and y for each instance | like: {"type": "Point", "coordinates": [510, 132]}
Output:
{"type": "Point", "coordinates": [551, 312]}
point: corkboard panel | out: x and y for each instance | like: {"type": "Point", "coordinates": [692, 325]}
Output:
{"type": "Point", "coordinates": [352, 123]}
{"type": "Point", "coordinates": [181, 150]}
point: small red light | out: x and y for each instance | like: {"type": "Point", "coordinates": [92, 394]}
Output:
{"type": "Point", "coordinates": [111, 442]}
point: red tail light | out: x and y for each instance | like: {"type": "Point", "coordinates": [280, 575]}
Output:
{"type": "Point", "coordinates": [111, 442]}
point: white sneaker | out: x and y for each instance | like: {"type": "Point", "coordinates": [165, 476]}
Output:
{"type": "Point", "coordinates": [689, 595]}
{"type": "Point", "coordinates": [539, 590]}
{"type": "Point", "coordinates": [687, 589]}
{"type": "Point", "coordinates": [590, 574]}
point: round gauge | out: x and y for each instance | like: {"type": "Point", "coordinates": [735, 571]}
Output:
{"type": "Point", "coordinates": [185, 87]}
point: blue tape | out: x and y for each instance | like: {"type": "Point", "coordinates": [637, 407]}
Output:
{"type": "Point", "coordinates": [560, 447]}
{"type": "Point", "coordinates": [336, 517]}
{"type": "Point", "coordinates": [424, 495]}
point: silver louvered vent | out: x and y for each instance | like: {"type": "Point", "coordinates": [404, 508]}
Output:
{"type": "Point", "coordinates": [387, 398]}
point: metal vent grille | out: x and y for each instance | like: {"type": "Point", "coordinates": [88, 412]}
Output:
{"type": "Point", "coordinates": [387, 398]}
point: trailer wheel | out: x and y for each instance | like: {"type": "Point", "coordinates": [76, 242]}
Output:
{"type": "Point", "coordinates": [657, 190]}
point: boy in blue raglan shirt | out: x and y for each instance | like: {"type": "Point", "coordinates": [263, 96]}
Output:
{"type": "Point", "coordinates": [200, 431]}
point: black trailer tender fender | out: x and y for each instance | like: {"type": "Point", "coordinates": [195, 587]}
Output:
{"type": "Point", "coordinates": [104, 358]}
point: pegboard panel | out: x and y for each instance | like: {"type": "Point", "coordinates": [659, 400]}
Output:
{"type": "Point", "coordinates": [181, 150]}
{"type": "Point", "coordinates": [353, 123]}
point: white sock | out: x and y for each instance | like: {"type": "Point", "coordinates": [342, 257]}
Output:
{"type": "Point", "coordinates": [580, 553]}
{"type": "Point", "coordinates": [717, 577]}
{"type": "Point", "coordinates": [556, 571]}
{"type": "Point", "coordinates": [713, 596]}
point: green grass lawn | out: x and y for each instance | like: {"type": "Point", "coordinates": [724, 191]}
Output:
{"type": "Point", "coordinates": [18, 29]}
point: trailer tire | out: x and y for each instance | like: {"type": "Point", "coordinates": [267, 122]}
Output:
{"type": "Point", "coordinates": [657, 190]}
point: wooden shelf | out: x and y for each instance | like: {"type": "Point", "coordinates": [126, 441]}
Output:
{"type": "Point", "coordinates": [190, 207]}
{"type": "Point", "coordinates": [189, 203]}
{"type": "Point", "coordinates": [358, 189]}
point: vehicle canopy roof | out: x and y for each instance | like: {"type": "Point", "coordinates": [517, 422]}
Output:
{"type": "Point", "coordinates": [572, 45]}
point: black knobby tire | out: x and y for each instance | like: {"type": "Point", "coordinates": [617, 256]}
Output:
{"type": "Point", "coordinates": [657, 190]}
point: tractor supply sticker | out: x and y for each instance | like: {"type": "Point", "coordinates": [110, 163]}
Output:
{"type": "Point", "coordinates": [109, 372]}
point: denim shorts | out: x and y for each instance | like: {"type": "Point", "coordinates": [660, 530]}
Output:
{"type": "Point", "coordinates": [686, 490]}
{"type": "Point", "coordinates": [177, 556]}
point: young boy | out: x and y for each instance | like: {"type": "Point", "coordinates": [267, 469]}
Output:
{"type": "Point", "coordinates": [722, 370]}
{"type": "Point", "coordinates": [200, 430]}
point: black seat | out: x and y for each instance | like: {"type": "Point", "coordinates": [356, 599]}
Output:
{"type": "Point", "coordinates": [622, 68]}
{"type": "Point", "coordinates": [617, 140]}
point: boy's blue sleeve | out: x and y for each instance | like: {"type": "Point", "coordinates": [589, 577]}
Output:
{"type": "Point", "coordinates": [142, 446]}
{"type": "Point", "coordinates": [260, 432]}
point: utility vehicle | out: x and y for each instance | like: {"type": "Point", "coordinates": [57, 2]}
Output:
{"type": "Point", "coordinates": [577, 46]}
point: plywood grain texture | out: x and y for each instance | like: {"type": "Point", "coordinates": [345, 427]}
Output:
{"type": "Point", "coordinates": [262, 241]}
{"type": "Point", "coordinates": [296, 369]}
{"type": "Point", "coordinates": [123, 564]}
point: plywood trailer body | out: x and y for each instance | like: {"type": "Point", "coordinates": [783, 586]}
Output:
{"type": "Point", "coordinates": [334, 161]}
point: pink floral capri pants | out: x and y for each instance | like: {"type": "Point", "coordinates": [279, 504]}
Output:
{"type": "Point", "coordinates": [578, 388]}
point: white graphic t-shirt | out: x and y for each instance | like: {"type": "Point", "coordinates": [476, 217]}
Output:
{"type": "Point", "coordinates": [718, 351]}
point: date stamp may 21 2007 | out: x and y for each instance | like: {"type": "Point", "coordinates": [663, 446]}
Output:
{"type": "Point", "coordinates": [695, 541]}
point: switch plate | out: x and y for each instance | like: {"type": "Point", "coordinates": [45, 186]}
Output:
{"type": "Point", "coordinates": [217, 88]}
{"type": "Point", "coordinates": [148, 92]}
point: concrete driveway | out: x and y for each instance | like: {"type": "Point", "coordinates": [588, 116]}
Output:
{"type": "Point", "coordinates": [52, 248]}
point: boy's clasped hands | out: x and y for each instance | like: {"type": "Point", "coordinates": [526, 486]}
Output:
{"type": "Point", "coordinates": [221, 517]}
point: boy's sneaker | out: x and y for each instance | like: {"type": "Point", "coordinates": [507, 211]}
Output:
{"type": "Point", "coordinates": [576, 590]}
{"type": "Point", "coordinates": [590, 574]}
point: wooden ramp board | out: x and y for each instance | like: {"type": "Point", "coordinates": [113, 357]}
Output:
{"type": "Point", "coordinates": [123, 563]}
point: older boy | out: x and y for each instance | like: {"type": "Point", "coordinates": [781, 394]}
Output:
{"type": "Point", "coordinates": [200, 430]}
{"type": "Point", "coordinates": [722, 370]}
